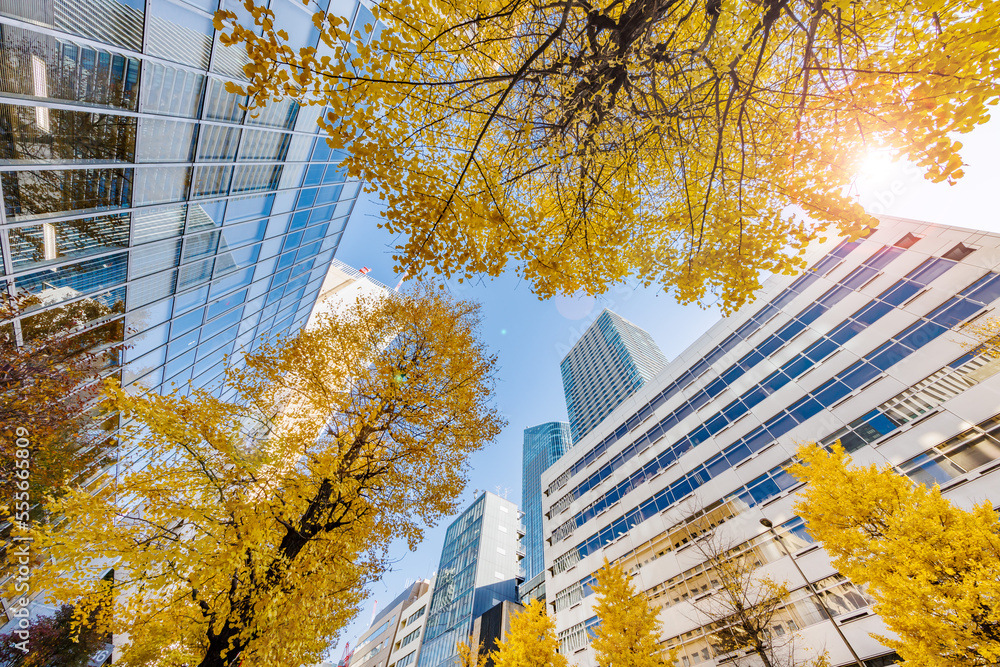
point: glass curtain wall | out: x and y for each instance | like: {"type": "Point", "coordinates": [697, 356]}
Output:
{"type": "Point", "coordinates": [133, 183]}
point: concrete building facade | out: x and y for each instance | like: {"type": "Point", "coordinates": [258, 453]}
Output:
{"type": "Point", "coordinates": [865, 347]}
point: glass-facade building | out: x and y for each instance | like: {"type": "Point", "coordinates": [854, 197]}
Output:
{"type": "Point", "coordinates": [479, 568]}
{"type": "Point", "coordinates": [136, 190]}
{"type": "Point", "coordinates": [543, 445]}
{"type": "Point", "coordinates": [867, 347]}
{"type": "Point", "coordinates": [611, 360]}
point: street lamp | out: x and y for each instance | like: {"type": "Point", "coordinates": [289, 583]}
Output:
{"type": "Point", "coordinates": [777, 538]}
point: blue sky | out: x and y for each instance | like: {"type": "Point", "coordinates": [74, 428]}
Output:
{"type": "Point", "coordinates": [531, 336]}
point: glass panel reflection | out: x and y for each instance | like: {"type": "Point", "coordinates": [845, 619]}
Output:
{"type": "Point", "coordinates": [66, 282]}
{"type": "Point", "coordinates": [151, 224]}
{"type": "Point", "coordinates": [179, 35]}
{"type": "Point", "coordinates": [40, 134]}
{"type": "Point", "coordinates": [171, 91]}
{"type": "Point", "coordinates": [32, 194]}
{"type": "Point", "coordinates": [162, 140]}
{"type": "Point", "coordinates": [161, 185]}
{"type": "Point", "coordinates": [116, 22]}
{"type": "Point", "coordinates": [220, 104]}
{"type": "Point", "coordinates": [36, 65]}
{"type": "Point", "coordinates": [49, 242]}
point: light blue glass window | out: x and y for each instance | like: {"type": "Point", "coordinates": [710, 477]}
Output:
{"type": "Point", "coordinates": [283, 202]}
{"type": "Point", "coordinates": [137, 321]}
{"type": "Point", "coordinates": [146, 341]}
{"type": "Point", "coordinates": [192, 274]}
{"type": "Point", "coordinates": [182, 344]}
{"type": "Point", "coordinates": [201, 245]}
{"type": "Point", "coordinates": [328, 194]}
{"type": "Point", "coordinates": [321, 153]}
{"type": "Point", "coordinates": [186, 322]}
{"type": "Point", "coordinates": [215, 326]}
{"type": "Point", "coordinates": [151, 224]}
{"type": "Point", "coordinates": [179, 364]}
{"type": "Point", "coordinates": [306, 198]}
{"type": "Point", "coordinates": [151, 288]}
{"type": "Point", "coordinates": [190, 299]}
{"type": "Point", "coordinates": [232, 281]}
{"type": "Point", "coordinates": [300, 146]}
{"type": "Point", "coordinates": [299, 220]}
{"type": "Point", "coordinates": [286, 260]}
{"type": "Point", "coordinates": [245, 208]}
{"type": "Point", "coordinates": [143, 365]}
{"type": "Point", "coordinates": [243, 233]}
{"type": "Point", "coordinates": [226, 303]}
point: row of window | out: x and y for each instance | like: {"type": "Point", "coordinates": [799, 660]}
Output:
{"type": "Point", "coordinates": [900, 292]}
{"type": "Point", "coordinates": [958, 456]}
{"type": "Point", "coordinates": [954, 311]}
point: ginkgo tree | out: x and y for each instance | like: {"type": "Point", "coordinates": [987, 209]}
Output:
{"type": "Point", "coordinates": [693, 144]}
{"type": "Point", "coordinates": [932, 568]}
{"type": "Point", "coordinates": [531, 641]}
{"type": "Point", "coordinates": [628, 630]}
{"type": "Point", "coordinates": [244, 532]}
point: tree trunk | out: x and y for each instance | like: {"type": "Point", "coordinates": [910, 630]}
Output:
{"type": "Point", "coordinates": [217, 643]}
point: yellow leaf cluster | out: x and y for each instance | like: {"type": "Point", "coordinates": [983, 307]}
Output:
{"type": "Point", "coordinates": [933, 568]}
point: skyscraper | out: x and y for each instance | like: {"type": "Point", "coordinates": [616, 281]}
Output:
{"type": "Point", "coordinates": [133, 181]}
{"type": "Point", "coordinates": [543, 445]}
{"type": "Point", "coordinates": [479, 568]}
{"type": "Point", "coordinates": [866, 347]}
{"type": "Point", "coordinates": [611, 360]}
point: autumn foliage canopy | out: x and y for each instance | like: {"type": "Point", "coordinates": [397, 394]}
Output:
{"type": "Point", "coordinates": [679, 142]}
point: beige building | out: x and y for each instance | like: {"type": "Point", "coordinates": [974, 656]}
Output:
{"type": "Point", "coordinates": [394, 638]}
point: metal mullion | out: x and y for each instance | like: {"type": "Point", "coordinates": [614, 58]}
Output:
{"type": "Point", "coordinates": [89, 325]}
{"type": "Point", "coordinates": [63, 264]}
{"type": "Point", "coordinates": [85, 41]}
{"type": "Point", "coordinates": [133, 209]}
{"type": "Point", "coordinates": [82, 107]}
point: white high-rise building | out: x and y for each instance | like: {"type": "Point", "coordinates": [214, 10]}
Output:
{"type": "Point", "coordinates": [342, 287]}
{"type": "Point", "coordinates": [611, 360]}
{"type": "Point", "coordinates": [865, 347]}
